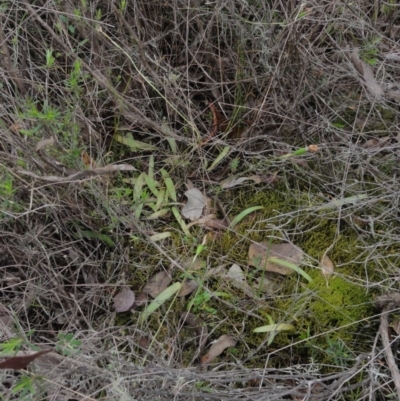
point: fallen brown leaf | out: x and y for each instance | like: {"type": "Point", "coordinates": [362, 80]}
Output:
{"type": "Point", "coordinates": [261, 255]}
{"type": "Point", "coordinates": [327, 266]}
{"type": "Point", "coordinates": [21, 362]}
{"type": "Point", "coordinates": [141, 299]}
{"type": "Point", "coordinates": [187, 288]}
{"type": "Point", "coordinates": [195, 204]}
{"type": "Point", "coordinates": [367, 73]}
{"type": "Point", "coordinates": [218, 348]}
{"type": "Point", "coordinates": [158, 283]}
{"type": "Point", "coordinates": [124, 300]}
{"type": "Point", "coordinates": [235, 181]}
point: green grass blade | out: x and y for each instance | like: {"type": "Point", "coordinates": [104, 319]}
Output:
{"type": "Point", "coordinates": [243, 214]}
{"type": "Point", "coordinates": [133, 144]}
{"type": "Point", "coordinates": [169, 184]}
{"type": "Point", "coordinates": [179, 219]}
{"type": "Point", "coordinates": [220, 157]}
{"type": "Point", "coordinates": [159, 300]}
{"type": "Point", "coordinates": [292, 266]}
{"type": "Point", "coordinates": [152, 184]}
{"type": "Point", "coordinates": [137, 189]}
{"type": "Point", "coordinates": [273, 327]}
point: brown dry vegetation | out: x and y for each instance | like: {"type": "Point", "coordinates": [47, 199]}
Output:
{"type": "Point", "coordinates": [259, 79]}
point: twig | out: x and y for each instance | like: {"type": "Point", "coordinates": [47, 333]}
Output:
{"type": "Point", "coordinates": [384, 332]}
{"type": "Point", "coordinates": [80, 174]}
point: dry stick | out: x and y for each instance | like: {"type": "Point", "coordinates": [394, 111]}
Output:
{"type": "Point", "coordinates": [7, 64]}
{"type": "Point", "coordinates": [80, 175]}
{"type": "Point", "coordinates": [384, 332]}
{"type": "Point", "coordinates": [102, 80]}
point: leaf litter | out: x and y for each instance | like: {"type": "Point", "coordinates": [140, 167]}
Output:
{"type": "Point", "coordinates": [219, 346]}
{"type": "Point", "coordinates": [265, 256]}
{"type": "Point", "coordinates": [124, 300]}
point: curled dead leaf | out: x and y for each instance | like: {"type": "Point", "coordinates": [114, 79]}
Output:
{"type": "Point", "coordinates": [187, 288]}
{"type": "Point", "coordinates": [141, 299]}
{"type": "Point", "coordinates": [327, 266]}
{"type": "Point", "coordinates": [218, 348]}
{"type": "Point", "coordinates": [158, 283]}
{"type": "Point", "coordinates": [195, 204]}
{"type": "Point", "coordinates": [365, 70]}
{"type": "Point", "coordinates": [236, 181]}
{"type": "Point", "coordinates": [21, 362]}
{"type": "Point", "coordinates": [124, 300]}
{"type": "Point", "coordinates": [262, 255]}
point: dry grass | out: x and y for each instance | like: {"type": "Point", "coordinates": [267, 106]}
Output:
{"type": "Point", "coordinates": [190, 78]}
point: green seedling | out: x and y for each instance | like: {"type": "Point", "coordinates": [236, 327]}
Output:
{"type": "Point", "coordinates": [50, 59]}
{"type": "Point", "coordinates": [67, 344]}
{"type": "Point", "coordinates": [11, 346]}
{"type": "Point", "coordinates": [25, 388]}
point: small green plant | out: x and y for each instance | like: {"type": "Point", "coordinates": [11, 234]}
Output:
{"type": "Point", "coordinates": [199, 302]}
{"type": "Point", "coordinates": [67, 344]}
{"type": "Point", "coordinates": [10, 347]}
{"type": "Point", "coordinates": [50, 59]}
{"type": "Point", "coordinates": [338, 352]}
{"type": "Point", "coordinates": [26, 387]}
{"type": "Point", "coordinates": [370, 52]}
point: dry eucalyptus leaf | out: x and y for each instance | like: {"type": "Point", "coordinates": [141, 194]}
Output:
{"type": "Point", "coordinates": [158, 283]}
{"type": "Point", "coordinates": [327, 266]}
{"type": "Point", "coordinates": [44, 143]}
{"type": "Point", "coordinates": [218, 348]}
{"type": "Point", "coordinates": [210, 221]}
{"type": "Point", "coordinates": [21, 362]}
{"type": "Point", "coordinates": [396, 326]}
{"type": "Point", "coordinates": [367, 73]}
{"type": "Point", "coordinates": [237, 278]}
{"type": "Point", "coordinates": [261, 255]}
{"type": "Point", "coordinates": [198, 325]}
{"type": "Point", "coordinates": [195, 204]}
{"type": "Point", "coordinates": [124, 300]}
{"type": "Point", "coordinates": [141, 299]}
{"type": "Point", "coordinates": [235, 181]}
{"type": "Point", "coordinates": [266, 285]}
{"type": "Point", "coordinates": [187, 288]}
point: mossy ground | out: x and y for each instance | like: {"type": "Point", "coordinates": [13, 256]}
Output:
{"type": "Point", "coordinates": [324, 312]}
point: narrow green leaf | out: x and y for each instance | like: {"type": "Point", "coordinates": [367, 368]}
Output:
{"type": "Point", "coordinates": [179, 219]}
{"type": "Point", "coordinates": [138, 211]}
{"type": "Point", "coordinates": [243, 214]}
{"type": "Point", "coordinates": [169, 184]}
{"type": "Point", "coordinates": [91, 234]}
{"type": "Point", "coordinates": [133, 144]}
{"type": "Point", "coordinates": [273, 327]}
{"type": "Point", "coordinates": [292, 266]}
{"type": "Point", "coordinates": [156, 215]}
{"type": "Point", "coordinates": [151, 167]}
{"type": "Point", "coordinates": [220, 157]}
{"type": "Point", "coordinates": [160, 199]}
{"type": "Point", "coordinates": [159, 300]}
{"type": "Point", "coordinates": [152, 184]}
{"type": "Point", "coordinates": [137, 189]}
{"type": "Point", "coordinates": [160, 236]}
